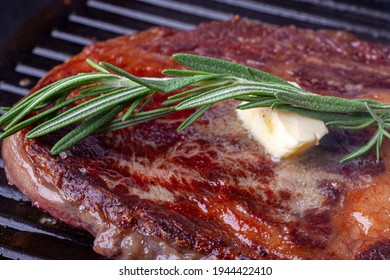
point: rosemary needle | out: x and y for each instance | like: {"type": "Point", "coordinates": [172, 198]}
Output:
{"type": "Point", "coordinates": [206, 82]}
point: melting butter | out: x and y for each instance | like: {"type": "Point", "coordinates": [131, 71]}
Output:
{"type": "Point", "coordinates": [282, 134]}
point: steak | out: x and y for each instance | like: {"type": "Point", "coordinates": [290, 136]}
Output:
{"type": "Point", "coordinates": [211, 192]}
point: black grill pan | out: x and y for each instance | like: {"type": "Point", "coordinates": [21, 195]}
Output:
{"type": "Point", "coordinates": [37, 35]}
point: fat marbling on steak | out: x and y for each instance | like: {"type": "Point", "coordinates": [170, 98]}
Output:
{"type": "Point", "coordinates": [150, 192]}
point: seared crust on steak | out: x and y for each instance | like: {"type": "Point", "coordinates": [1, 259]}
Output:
{"type": "Point", "coordinates": [150, 192]}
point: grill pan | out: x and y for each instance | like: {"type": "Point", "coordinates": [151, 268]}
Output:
{"type": "Point", "coordinates": [38, 35]}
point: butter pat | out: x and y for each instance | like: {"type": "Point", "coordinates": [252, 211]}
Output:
{"type": "Point", "coordinates": [282, 134]}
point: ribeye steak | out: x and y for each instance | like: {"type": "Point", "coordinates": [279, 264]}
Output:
{"type": "Point", "coordinates": [150, 192]}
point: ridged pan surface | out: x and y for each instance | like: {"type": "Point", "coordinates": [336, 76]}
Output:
{"type": "Point", "coordinates": [28, 233]}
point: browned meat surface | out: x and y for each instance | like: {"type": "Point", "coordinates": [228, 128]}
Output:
{"type": "Point", "coordinates": [211, 191]}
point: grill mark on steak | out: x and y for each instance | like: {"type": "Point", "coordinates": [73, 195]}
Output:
{"type": "Point", "coordinates": [211, 191]}
{"type": "Point", "coordinates": [377, 251]}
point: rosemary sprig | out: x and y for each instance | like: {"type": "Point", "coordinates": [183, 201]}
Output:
{"type": "Point", "coordinates": [209, 80]}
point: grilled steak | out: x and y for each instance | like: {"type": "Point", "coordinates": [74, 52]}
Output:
{"type": "Point", "coordinates": [150, 192]}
